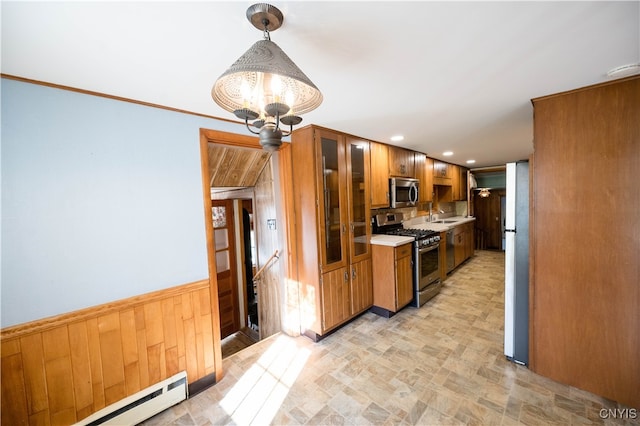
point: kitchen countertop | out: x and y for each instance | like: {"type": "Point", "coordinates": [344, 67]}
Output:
{"type": "Point", "coordinates": [390, 240]}
{"type": "Point", "coordinates": [421, 223]}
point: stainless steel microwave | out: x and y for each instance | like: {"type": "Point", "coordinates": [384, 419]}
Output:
{"type": "Point", "coordinates": [403, 192]}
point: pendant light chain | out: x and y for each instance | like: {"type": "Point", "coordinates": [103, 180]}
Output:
{"type": "Point", "coordinates": [265, 32]}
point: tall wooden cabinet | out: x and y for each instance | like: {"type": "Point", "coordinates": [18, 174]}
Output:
{"type": "Point", "coordinates": [585, 239]}
{"type": "Point", "coordinates": [330, 186]}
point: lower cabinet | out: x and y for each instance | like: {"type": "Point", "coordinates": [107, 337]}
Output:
{"type": "Point", "coordinates": [470, 235]}
{"type": "Point", "coordinates": [463, 240]}
{"type": "Point", "coordinates": [336, 300]}
{"type": "Point", "coordinates": [346, 292]}
{"type": "Point", "coordinates": [459, 242]}
{"type": "Point", "coordinates": [392, 278]}
{"type": "Point", "coordinates": [360, 286]}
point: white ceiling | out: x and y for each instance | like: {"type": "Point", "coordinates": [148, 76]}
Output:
{"type": "Point", "coordinates": [453, 76]}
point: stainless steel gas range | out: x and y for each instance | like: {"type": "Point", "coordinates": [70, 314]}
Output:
{"type": "Point", "coordinates": [426, 255]}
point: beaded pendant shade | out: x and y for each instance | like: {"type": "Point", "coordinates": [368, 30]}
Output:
{"type": "Point", "coordinates": [264, 87]}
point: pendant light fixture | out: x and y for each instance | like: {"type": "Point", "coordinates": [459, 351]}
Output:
{"type": "Point", "coordinates": [484, 192]}
{"type": "Point", "coordinates": [264, 88]}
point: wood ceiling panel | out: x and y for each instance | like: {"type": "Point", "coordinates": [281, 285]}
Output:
{"type": "Point", "coordinates": [235, 166]}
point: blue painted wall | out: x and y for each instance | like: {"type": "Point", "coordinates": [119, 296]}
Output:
{"type": "Point", "coordinates": [101, 200]}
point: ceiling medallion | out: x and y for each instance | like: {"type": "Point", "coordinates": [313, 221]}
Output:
{"type": "Point", "coordinates": [624, 70]}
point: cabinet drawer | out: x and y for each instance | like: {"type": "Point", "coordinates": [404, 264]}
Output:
{"type": "Point", "coordinates": [403, 251]}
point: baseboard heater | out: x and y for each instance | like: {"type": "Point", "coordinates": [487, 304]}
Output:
{"type": "Point", "coordinates": [142, 405]}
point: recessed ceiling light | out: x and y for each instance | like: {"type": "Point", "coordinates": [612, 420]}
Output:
{"type": "Point", "coordinates": [471, 161]}
{"type": "Point", "coordinates": [397, 138]}
{"type": "Point", "coordinates": [624, 70]}
{"type": "Point", "coordinates": [447, 153]}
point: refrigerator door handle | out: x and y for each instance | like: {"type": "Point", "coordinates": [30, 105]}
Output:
{"type": "Point", "coordinates": [509, 230]}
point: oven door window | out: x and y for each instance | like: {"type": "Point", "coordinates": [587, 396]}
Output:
{"type": "Point", "coordinates": [428, 263]}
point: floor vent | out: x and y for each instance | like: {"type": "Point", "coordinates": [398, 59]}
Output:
{"type": "Point", "coordinates": [142, 405]}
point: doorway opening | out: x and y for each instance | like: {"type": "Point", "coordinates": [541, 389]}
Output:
{"type": "Point", "coordinates": [489, 210]}
{"type": "Point", "coordinates": [237, 290]}
{"type": "Point", "coordinates": [234, 168]}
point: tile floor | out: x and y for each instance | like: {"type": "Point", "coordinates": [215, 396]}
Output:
{"type": "Point", "coordinates": [440, 364]}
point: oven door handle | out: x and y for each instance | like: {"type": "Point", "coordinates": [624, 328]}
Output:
{"type": "Point", "coordinates": [428, 248]}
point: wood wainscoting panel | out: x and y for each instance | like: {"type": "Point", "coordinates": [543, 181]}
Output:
{"type": "Point", "coordinates": [62, 369]}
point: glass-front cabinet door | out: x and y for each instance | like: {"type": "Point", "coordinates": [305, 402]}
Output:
{"type": "Point", "coordinates": [359, 201]}
{"type": "Point", "coordinates": [332, 199]}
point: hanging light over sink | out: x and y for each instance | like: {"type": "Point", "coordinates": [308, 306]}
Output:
{"type": "Point", "coordinates": [264, 87]}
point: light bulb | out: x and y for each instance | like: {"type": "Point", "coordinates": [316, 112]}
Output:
{"type": "Point", "coordinates": [246, 93]}
{"type": "Point", "coordinates": [276, 87]}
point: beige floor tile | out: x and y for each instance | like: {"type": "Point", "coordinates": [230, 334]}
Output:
{"type": "Point", "coordinates": [441, 364]}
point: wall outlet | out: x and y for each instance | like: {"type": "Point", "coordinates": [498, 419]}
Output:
{"type": "Point", "coordinates": [271, 224]}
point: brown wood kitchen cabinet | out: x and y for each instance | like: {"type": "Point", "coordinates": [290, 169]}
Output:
{"type": "Point", "coordinates": [455, 182]}
{"type": "Point", "coordinates": [441, 173]}
{"type": "Point", "coordinates": [459, 241]}
{"type": "Point", "coordinates": [470, 235]}
{"type": "Point", "coordinates": [379, 175]}
{"type": "Point", "coordinates": [424, 172]}
{"type": "Point", "coordinates": [463, 184]}
{"type": "Point", "coordinates": [332, 227]}
{"type": "Point", "coordinates": [463, 240]}
{"type": "Point", "coordinates": [401, 162]}
{"type": "Point", "coordinates": [458, 182]}
{"type": "Point", "coordinates": [393, 283]}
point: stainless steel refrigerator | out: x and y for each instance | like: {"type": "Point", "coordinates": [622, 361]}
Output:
{"type": "Point", "coordinates": [516, 290]}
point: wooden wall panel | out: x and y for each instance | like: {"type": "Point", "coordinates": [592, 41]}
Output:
{"type": "Point", "coordinates": [270, 296]}
{"type": "Point", "coordinates": [585, 240]}
{"type": "Point", "coordinates": [62, 369]}
{"type": "Point", "coordinates": [13, 384]}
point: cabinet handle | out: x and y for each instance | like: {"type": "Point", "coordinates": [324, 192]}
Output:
{"type": "Point", "coordinates": [346, 276]}
{"type": "Point", "coordinates": [353, 273]}
{"type": "Point", "coordinates": [344, 228]}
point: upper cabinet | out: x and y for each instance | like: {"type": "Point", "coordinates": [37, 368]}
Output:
{"type": "Point", "coordinates": [454, 170]}
{"type": "Point", "coordinates": [442, 173]}
{"type": "Point", "coordinates": [463, 184]}
{"type": "Point", "coordinates": [401, 162]}
{"type": "Point", "coordinates": [441, 169]}
{"type": "Point", "coordinates": [379, 175]}
{"type": "Point", "coordinates": [459, 183]}
{"type": "Point", "coordinates": [424, 172]}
